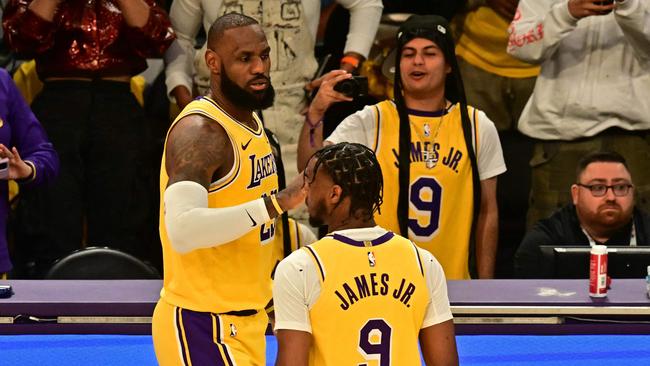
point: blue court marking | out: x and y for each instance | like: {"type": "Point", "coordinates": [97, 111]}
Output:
{"type": "Point", "coordinates": [72, 350]}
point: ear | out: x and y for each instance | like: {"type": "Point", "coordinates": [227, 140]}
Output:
{"type": "Point", "coordinates": [574, 193]}
{"type": "Point", "coordinates": [335, 194]}
{"type": "Point", "coordinates": [447, 68]}
{"type": "Point", "coordinates": [213, 61]}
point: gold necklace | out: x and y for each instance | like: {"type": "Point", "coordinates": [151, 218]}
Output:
{"type": "Point", "coordinates": [430, 156]}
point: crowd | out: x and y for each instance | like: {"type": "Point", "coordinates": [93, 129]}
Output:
{"type": "Point", "coordinates": [462, 172]}
{"type": "Point", "coordinates": [532, 86]}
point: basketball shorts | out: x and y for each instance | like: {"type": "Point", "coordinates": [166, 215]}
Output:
{"type": "Point", "coordinates": [186, 337]}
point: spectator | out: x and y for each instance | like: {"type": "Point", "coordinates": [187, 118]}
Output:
{"type": "Point", "coordinates": [86, 53]}
{"type": "Point", "coordinates": [602, 212]}
{"type": "Point", "coordinates": [495, 82]}
{"type": "Point", "coordinates": [32, 159]}
{"type": "Point", "coordinates": [499, 85]}
{"type": "Point", "coordinates": [441, 192]}
{"type": "Point", "coordinates": [290, 28]}
{"type": "Point", "coordinates": [592, 92]}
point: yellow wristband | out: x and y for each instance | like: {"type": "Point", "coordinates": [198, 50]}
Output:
{"type": "Point", "coordinates": [274, 200]}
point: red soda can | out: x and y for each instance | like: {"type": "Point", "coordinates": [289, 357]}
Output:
{"type": "Point", "coordinates": [598, 271]}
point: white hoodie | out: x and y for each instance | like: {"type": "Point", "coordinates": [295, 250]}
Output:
{"type": "Point", "coordinates": [595, 72]}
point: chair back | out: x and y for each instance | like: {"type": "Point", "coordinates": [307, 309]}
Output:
{"type": "Point", "coordinates": [101, 263]}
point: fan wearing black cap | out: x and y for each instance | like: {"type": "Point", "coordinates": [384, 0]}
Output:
{"type": "Point", "coordinates": [440, 157]}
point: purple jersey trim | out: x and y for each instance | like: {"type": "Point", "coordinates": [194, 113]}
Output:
{"type": "Point", "coordinates": [380, 240]}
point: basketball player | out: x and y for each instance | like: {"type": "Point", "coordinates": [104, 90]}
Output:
{"type": "Point", "coordinates": [361, 293]}
{"type": "Point", "coordinates": [219, 203]}
{"type": "Point", "coordinates": [440, 158]}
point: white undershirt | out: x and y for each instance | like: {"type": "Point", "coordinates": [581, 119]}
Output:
{"type": "Point", "coordinates": [361, 127]}
{"type": "Point", "coordinates": [297, 286]}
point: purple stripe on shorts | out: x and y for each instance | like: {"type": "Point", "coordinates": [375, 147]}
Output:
{"type": "Point", "coordinates": [180, 335]}
{"type": "Point", "coordinates": [198, 332]}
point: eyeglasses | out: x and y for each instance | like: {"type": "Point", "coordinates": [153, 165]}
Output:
{"type": "Point", "coordinates": [599, 190]}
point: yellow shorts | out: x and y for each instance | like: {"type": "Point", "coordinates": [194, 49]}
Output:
{"type": "Point", "coordinates": [186, 337]}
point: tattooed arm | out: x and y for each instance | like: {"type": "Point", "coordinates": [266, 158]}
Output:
{"type": "Point", "coordinates": [199, 150]}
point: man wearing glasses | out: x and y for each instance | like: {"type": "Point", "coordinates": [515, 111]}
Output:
{"type": "Point", "coordinates": [602, 212]}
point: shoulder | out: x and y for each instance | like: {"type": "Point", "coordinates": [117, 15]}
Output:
{"type": "Point", "coordinates": [297, 268]}
{"type": "Point", "coordinates": [483, 123]}
{"type": "Point", "coordinates": [297, 259]}
{"type": "Point", "coordinates": [297, 264]}
{"type": "Point", "coordinates": [430, 263]}
{"type": "Point", "coordinates": [642, 214]}
{"type": "Point", "coordinates": [560, 226]}
{"type": "Point", "coordinates": [197, 132]}
{"type": "Point", "coordinates": [642, 221]}
{"type": "Point", "coordinates": [366, 114]}
{"type": "Point", "coordinates": [196, 127]}
{"type": "Point", "coordinates": [358, 127]}
{"type": "Point", "coordinates": [434, 275]}
{"type": "Point", "coordinates": [566, 216]}
{"type": "Point", "coordinates": [195, 148]}
{"type": "Point", "coordinates": [489, 152]}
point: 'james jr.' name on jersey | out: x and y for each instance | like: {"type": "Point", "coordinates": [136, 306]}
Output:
{"type": "Point", "coordinates": [374, 284]}
{"type": "Point", "coordinates": [423, 151]}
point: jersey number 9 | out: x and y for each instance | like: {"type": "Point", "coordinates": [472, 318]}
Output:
{"type": "Point", "coordinates": [375, 341]}
{"type": "Point", "coordinates": [425, 198]}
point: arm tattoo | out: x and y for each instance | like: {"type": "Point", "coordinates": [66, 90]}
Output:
{"type": "Point", "coordinates": [196, 148]}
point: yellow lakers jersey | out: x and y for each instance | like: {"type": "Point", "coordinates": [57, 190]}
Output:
{"type": "Point", "coordinates": [372, 301]}
{"type": "Point", "coordinates": [235, 275]}
{"type": "Point", "coordinates": [483, 43]}
{"type": "Point", "coordinates": [440, 191]}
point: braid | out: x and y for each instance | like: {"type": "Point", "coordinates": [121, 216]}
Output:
{"type": "Point", "coordinates": [356, 170]}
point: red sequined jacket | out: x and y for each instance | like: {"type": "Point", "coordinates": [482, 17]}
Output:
{"type": "Point", "coordinates": [87, 38]}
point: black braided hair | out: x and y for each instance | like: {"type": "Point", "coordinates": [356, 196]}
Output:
{"type": "Point", "coordinates": [354, 168]}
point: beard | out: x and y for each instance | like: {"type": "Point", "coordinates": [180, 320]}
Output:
{"type": "Point", "coordinates": [607, 217]}
{"type": "Point", "coordinates": [613, 215]}
{"type": "Point", "coordinates": [316, 218]}
{"type": "Point", "coordinates": [243, 98]}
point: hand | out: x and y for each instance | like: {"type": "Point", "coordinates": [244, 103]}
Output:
{"type": "Point", "coordinates": [294, 194]}
{"type": "Point", "coordinates": [18, 169]}
{"type": "Point", "coordinates": [45, 8]}
{"type": "Point", "coordinates": [326, 95]}
{"type": "Point", "coordinates": [584, 8]}
{"type": "Point", "coordinates": [505, 8]}
{"type": "Point", "coordinates": [314, 84]}
{"type": "Point", "coordinates": [348, 68]}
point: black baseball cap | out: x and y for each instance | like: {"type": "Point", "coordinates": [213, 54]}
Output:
{"type": "Point", "coordinates": [432, 27]}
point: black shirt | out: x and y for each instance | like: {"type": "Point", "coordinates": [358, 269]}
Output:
{"type": "Point", "coordinates": [563, 229]}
